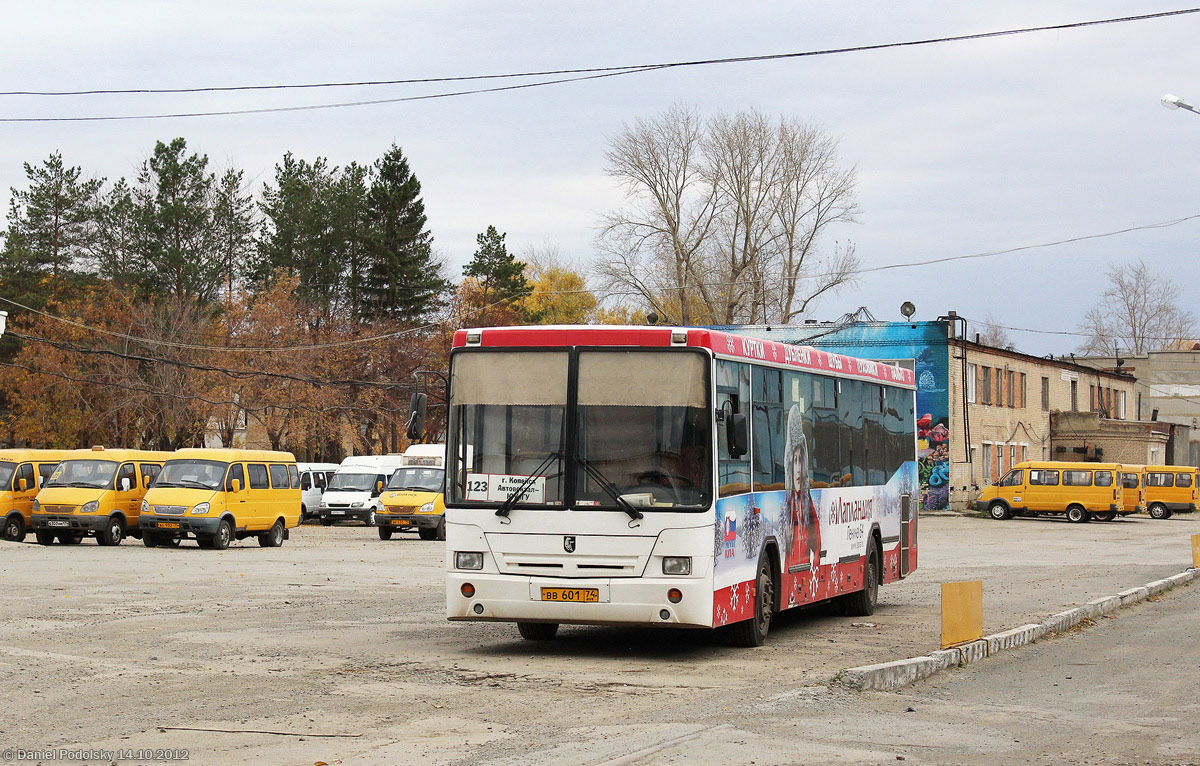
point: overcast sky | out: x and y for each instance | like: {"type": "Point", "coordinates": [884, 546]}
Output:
{"type": "Point", "coordinates": [960, 148]}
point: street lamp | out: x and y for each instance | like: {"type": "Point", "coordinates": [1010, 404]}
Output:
{"type": "Point", "coordinates": [1172, 101]}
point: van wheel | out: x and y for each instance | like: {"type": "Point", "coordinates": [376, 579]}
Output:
{"type": "Point", "coordinates": [113, 532]}
{"type": "Point", "coordinates": [371, 518]}
{"type": "Point", "coordinates": [1108, 516]}
{"type": "Point", "coordinates": [44, 538]}
{"type": "Point", "coordinates": [14, 528]}
{"type": "Point", "coordinates": [223, 536]}
{"type": "Point", "coordinates": [863, 603]}
{"type": "Point", "coordinates": [1159, 511]}
{"type": "Point", "coordinates": [441, 528]}
{"type": "Point", "coordinates": [537, 631]}
{"type": "Point", "coordinates": [1076, 514]}
{"type": "Point", "coordinates": [753, 632]}
{"type": "Point", "coordinates": [385, 533]}
{"type": "Point", "coordinates": [999, 511]}
{"type": "Point", "coordinates": [273, 538]}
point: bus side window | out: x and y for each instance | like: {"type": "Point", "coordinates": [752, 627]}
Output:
{"type": "Point", "coordinates": [235, 472]}
{"type": "Point", "coordinates": [293, 477]}
{"type": "Point", "coordinates": [733, 397]}
{"type": "Point", "coordinates": [306, 480]}
{"type": "Point", "coordinates": [44, 472]}
{"type": "Point", "coordinates": [1183, 480]}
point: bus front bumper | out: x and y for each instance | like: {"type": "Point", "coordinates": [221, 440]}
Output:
{"type": "Point", "coordinates": [622, 601]}
{"type": "Point", "coordinates": [408, 520]}
{"type": "Point", "coordinates": [90, 523]}
{"type": "Point", "coordinates": [179, 525]}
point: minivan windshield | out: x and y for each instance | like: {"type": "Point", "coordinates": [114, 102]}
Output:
{"type": "Point", "coordinates": [418, 478]}
{"type": "Point", "coordinates": [93, 474]}
{"type": "Point", "coordinates": [193, 474]}
{"type": "Point", "coordinates": [353, 482]}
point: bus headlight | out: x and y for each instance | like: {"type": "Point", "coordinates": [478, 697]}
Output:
{"type": "Point", "coordinates": [468, 560]}
{"type": "Point", "coordinates": [200, 509]}
{"type": "Point", "coordinates": [427, 508]}
{"type": "Point", "coordinates": [677, 565]}
{"type": "Point", "coordinates": [145, 507]}
{"type": "Point", "coordinates": [91, 507]}
{"type": "Point", "coordinates": [36, 507]}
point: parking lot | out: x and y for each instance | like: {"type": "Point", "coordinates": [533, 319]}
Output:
{"type": "Point", "coordinates": [337, 644]}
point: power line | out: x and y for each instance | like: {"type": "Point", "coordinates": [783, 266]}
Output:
{"type": "Point", "coordinates": [578, 74]}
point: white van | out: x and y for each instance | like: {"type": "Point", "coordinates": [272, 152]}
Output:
{"type": "Point", "coordinates": [353, 492]}
{"type": "Point", "coordinates": [314, 477]}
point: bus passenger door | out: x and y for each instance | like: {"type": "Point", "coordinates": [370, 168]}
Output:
{"type": "Point", "coordinates": [908, 535]}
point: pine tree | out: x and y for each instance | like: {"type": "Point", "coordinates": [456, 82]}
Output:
{"type": "Point", "coordinates": [499, 274]}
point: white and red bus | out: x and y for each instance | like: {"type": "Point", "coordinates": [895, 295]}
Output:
{"type": "Point", "coordinates": [671, 476]}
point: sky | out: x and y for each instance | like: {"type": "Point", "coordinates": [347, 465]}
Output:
{"type": "Point", "coordinates": [960, 148]}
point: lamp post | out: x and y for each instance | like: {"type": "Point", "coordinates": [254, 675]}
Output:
{"type": "Point", "coordinates": [1172, 101]}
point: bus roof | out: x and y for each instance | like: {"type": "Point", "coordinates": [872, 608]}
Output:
{"type": "Point", "coordinates": [233, 455]}
{"type": "Point", "coordinates": [722, 344]}
{"type": "Point", "coordinates": [21, 455]}
{"type": "Point", "coordinates": [117, 454]}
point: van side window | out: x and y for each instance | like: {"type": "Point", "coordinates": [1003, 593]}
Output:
{"type": "Point", "coordinates": [378, 479]}
{"type": "Point", "coordinates": [127, 471]}
{"type": "Point", "coordinates": [279, 476]}
{"type": "Point", "coordinates": [44, 472]}
{"type": "Point", "coordinates": [1159, 480]}
{"type": "Point", "coordinates": [294, 476]}
{"type": "Point", "coordinates": [1044, 478]}
{"type": "Point", "coordinates": [1129, 480]}
{"type": "Point", "coordinates": [1183, 480]}
{"type": "Point", "coordinates": [306, 480]}
{"type": "Point", "coordinates": [235, 472]}
{"type": "Point", "coordinates": [1014, 478]}
{"type": "Point", "coordinates": [25, 471]}
{"type": "Point", "coordinates": [150, 470]}
{"type": "Point", "coordinates": [258, 476]}
{"type": "Point", "coordinates": [1077, 478]}
{"type": "Point", "coordinates": [1104, 478]}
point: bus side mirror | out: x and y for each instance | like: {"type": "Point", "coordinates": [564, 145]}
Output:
{"type": "Point", "coordinates": [378, 487]}
{"type": "Point", "coordinates": [146, 482]}
{"type": "Point", "coordinates": [235, 485]}
{"type": "Point", "coordinates": [737, 434]}
{"type": "Point", "coordinates": [22, 485]}
{"type": "Point", "coordinates": [415, 428]}
{"type": "Point", "coordinates": [126, 484]}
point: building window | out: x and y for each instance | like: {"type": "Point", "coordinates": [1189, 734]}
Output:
{"type": "Point", "coordinates": [989, 470]}
{"type": "Point", "coordinates": [1121, 405]}
{"type": "Point", "coordinates": [985, 385]}
{"type": "Point", "coordinates": [972, 372]}
{"type": "Point", "coordinates": [1021, 391]}
{"type": "Point", "coordinates": [1074, 396]}
{"type": "Point", "coordinates": [1045, 394]}
{"type": "Point", "coordinates": [1092, 399]}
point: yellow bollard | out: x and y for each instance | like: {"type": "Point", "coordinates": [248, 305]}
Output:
{"type": "Point", "coordinates": [962, 612]}
{"type": "Point", "coordinates": [1196, 551]}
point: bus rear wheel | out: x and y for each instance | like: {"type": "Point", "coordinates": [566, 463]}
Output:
{"type": "Point", "coordinates": [753, 632]}
{"type": "Point", "coordinates": [14, 529]}
{"type": "Point", "coordinates": [999, 511]}
{"type": "Point", "coordinates": [1106, 516]}
{"type": "Point", "coordinates": [1077, 514]}
{"type": "Point", "coordinates": [1159, 511]}
{"type": "Point", "coordinates": [537, 631]}
{"type": "Point", "coordinates": [862, 603]}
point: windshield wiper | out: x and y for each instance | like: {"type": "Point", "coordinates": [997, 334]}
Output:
{"type": "Point", "coordinates": [609, 488]}
{"type": "Point", "coordinates": [193, 485]}
{"type": "Point", "coordinates": [507, 506]}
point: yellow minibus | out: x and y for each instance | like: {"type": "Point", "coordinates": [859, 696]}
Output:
{"type": "Point", "coordinates": [95, 492]}
{"type": "Point", "coordinates": [220, 495]}
{"type": "Point", "coordinates": [1080, 491]}
{"type": "Point", "coordinates": [22, 474]}
{"type": "Point", "coordinates": [1169, 489]}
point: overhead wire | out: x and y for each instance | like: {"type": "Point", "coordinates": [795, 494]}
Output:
{"type": "Point", "coordinates": [578, 74]}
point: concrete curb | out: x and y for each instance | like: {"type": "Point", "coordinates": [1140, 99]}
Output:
{"type": "Point", "coordinates": [886, 676]}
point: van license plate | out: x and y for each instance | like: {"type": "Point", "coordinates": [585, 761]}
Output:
{"type": "Point", "coordinates": [168, 525]}
{"type": "Point", "coordinates": [575, 595]}
{"type": "Point", "coordinates": [337, 513]}
{"type": "Point", "coordinates": [58, 523]}
{"type": "Point", "coordinates": [401, 522]}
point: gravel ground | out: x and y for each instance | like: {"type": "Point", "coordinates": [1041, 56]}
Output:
{"type": "Point", "coordinates": [340, 633]}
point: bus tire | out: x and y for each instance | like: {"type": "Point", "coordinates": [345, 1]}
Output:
{"type": "Point", "coordinates": [272, 538]}
{"type": "Point", "coordinates": [113, 532]}
{"type": "Point", "coordinates": [44, 538]}
{"type": "Point", "coordinates": [441, 529]}
{"type": "Point", "coordinates": [1076, 514]}
{"type": "Point", "coordinates": [1158, 511]}
{"type": "Point", "coordinates": [385, 533]}
{"type": "Point", "coordinates": [371, 518]}
{"type": "Point", "coordinates": [14, 528]}
{"type": "Point", "coordinates": [753, 632]}
{"type": "Point", "coordinates": [999, 511]}
{"type": "Point", "coordinates": [862, 603]}
{"type": "Point", "coordinates": [223, 536]}
{"type": "Point", "coordinates": [1107, 516]}
{"type": "Point", "coordinates": [150, 539]}
{"type": "Point", "coordinates": [537, 631]}
{"type": "Point", "coordinates": [426, 533]}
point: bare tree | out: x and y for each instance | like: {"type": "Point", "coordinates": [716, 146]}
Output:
{"type": "Point", "coordinates": [726, 217]}
{"type": "Point", "coordinates": [1139, 312]}
{"type": "Point", "coordinates": [992, 333]}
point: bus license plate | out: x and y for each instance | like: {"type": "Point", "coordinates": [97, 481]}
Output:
{"type": "Point", "coordinates": [401, 522]}
{"type": "Point", "coordinates": [575, 595]}
{"type": "Point", "coordinates": [58, 523]}
{"type": "Point", "coordinates": [168, 525]}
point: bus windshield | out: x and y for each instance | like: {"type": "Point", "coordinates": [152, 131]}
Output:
{"type": "Point", "coordinates": [418, 478]}
{"type": "Point", "coordinates": [192, 474]}
{"type": "Point", "coordinates": [94, 474]}
{"type": "Point", "coordinates": [641, 432]}
{"type": "Point", "coordinates": [353, 482]}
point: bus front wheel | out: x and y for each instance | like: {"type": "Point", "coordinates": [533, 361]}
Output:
{"type": "Point", "coordinates": [753, 632]}
{"type": "Point", "coordinates": [537, 631]}
{"type": "Point", "coordinates": [999, 511]}
{"type": "Point", "coordinates": [1077, 514]}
